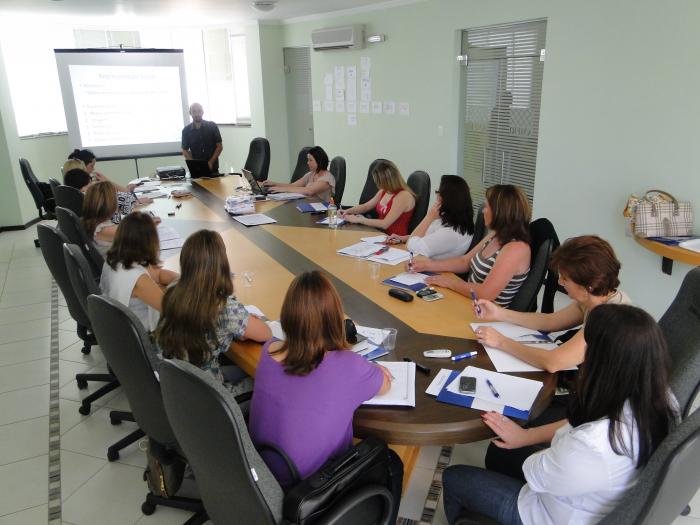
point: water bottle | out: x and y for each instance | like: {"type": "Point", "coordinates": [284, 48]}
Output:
{"type": "Point", "coordinates": [332, 214]}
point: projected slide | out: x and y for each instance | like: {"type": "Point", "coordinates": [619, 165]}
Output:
{"type": "Point", "coordinates": [118, 105]}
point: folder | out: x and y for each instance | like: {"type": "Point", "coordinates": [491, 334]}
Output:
{"type": "Point", "coordinates": [391, 281]}
{"type": "Point", "coordinates": [312, 207]}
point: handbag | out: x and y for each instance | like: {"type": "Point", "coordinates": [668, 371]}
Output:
{"type": "Point", "coordinates": [655, 216]}
{"type": "Point", "coordinates": [164, 472]}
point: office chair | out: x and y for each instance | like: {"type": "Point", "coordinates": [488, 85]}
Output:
{"type": "Point", "coordinates": [370, 189]}
{"type": "Point", "coordinates": [54, 184]}
{"type": "Point", "coordinates": [72, 228]}
{"type": "Point", "coordinates": [337, 168]}
{"type": "Point", "coordinates": [301, 168]}
{"type": "Point", "coordinates": [44, 204]}
{"type": "Point", "coordinates": [235, 483]}
{"type": "Point", "coordinates": [129, 351]}
{"type": "Point", "coordinates": [419, 182]}
{"type": "Point", "coordinates": [258, 161]}
{"type": "Point", "coordinates": [543, 239]}
{"type": "Point", "coordinates": [480, 229]}
{"type": "Point", "coordinates": [70, 198]}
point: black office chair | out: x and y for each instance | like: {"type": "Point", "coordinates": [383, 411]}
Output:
{"type": "Point", "coordinates": [72, 228]}
{"type": "Point", "coordinates": [370, 189]}
{"type": "Point", "coordinates": [235, 483]}
{"type": "Point", "coordinates": [302, 167]}
{"type": "Point", "coordinates": [129, 351]}
{"type": "Point", "coordinates": [419, 182]}
{"type": "Point", "coordinates": [480, 229]}
{"type": "Point", "coordinates": [70, 198]}
{"type": "Point", "coordinates": [43, 201]}
{"type": "Point", "coordinates": [543, 239]}
{"type": "Point", "coordinates": [337, 168]}
{"type": "Point", "coordinates": [54, 184]}
{"type": "Point", "coordinates": [258, 161]}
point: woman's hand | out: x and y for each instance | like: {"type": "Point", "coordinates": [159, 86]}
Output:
{"type": "Point", "coordinates": [490, 311]}
{"type": "Point", "coordinates": [396, 239]}
{"type": "Point", "coordinates": [355, 219]}
{"type": "Point", "coordinates": [269, 183]}
{"type": "Point", "coordinates": [99, 177]}
{"type": "Point", "coordinates": [510, 435]}
{"type": "Point", "coordinates": [443, 280]}
{"type": "Point", "coordinates": [420, 263]}
{"type": "Point", "coordinates": [489, 336]}
{"type": "Point", "coordinates": [156, 220]}
{"type": "Point", "coordinates": [434, 211]}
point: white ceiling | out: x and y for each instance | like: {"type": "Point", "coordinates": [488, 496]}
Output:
{"type": "Point", "coordinates": [189, 11]}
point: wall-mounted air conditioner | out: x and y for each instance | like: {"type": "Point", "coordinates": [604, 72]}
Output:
{"type": "Point", "coordinates": [348, 37]}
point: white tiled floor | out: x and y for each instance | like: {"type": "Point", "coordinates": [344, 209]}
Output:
{"type": "Point", "coordinates": [93, 489]}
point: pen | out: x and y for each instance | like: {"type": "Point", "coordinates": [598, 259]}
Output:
{"type": "Point", "coordinates": [476, 305]}
{"type": "Point", "coordinates": [464, 356]}
{"type": "Point", "coordinates": [381, 250]}
{"type": "Point", "coordinates": [410, 261]}
{"type": "Point", "coordinates": [420, 367]}
{"type": "Point", "coordinates": [493, 388]}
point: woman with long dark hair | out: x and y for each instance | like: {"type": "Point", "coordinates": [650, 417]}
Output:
{"type": "Point", "coordinates": [621, 409]}
{"type": "Point", "coordinates": [318, 181]}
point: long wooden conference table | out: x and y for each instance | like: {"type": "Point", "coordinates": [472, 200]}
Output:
{"type": "Point", "coordinates": [276, 253]}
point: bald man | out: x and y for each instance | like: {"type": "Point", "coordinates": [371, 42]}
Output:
{"type": "Point", "coordinates": [201, 139]}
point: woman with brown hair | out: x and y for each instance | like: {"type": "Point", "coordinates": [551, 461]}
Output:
{"type": "Point", "coordinates": [499, 264]}
{"type": "Point", "coordinates": [308, 387]}
{"type": "Point", "coordinates": [99, 206]}
{"type": "Point", "coordinates": [393, 203]}
{"type": "Point", "coordinates": [201, 317]}
{"type": "Point", "coordinates": [132, 273]}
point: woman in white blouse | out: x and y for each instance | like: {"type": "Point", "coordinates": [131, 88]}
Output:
{"type": "Point", "coordinates": [448, 227]}
{"type": "Point", "coordinates": [619, 413]}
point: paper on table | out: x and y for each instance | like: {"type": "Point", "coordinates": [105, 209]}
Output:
{"type": "Point", "coordinates": [285, 196]}
{"type": "Point", "coordinates": [377, 239]}
{"type": "Point", "coordinates": [277, 331]}
{"type": "Point", "coordinates": [516, 392]}
{"type": "Point", "coordinates": [165, 233]}
{"type": "Point", "coordinates": [155, 194]}
{"type": "Point", "coordinates": [374, 335]}
{"type": "Point", "coordinates": [254, 219]}
{"type": "Point", "coordinates": [392, 257]}
{"type": "Point", "coordinates": [149, 184]}
{"type": "Point", "coordinates": [171, 244]}
{"type": "Point", "coordinates": [692, 244]}
{"type": "Point", "coordinates": [403, 386]}
{"type": "Point", "coordinates": [409, 279]}
{"type": "Point", "coordinates": [364, 347]}
{"type": "Point", "coordinates": [360, 249]}
{"type": "Point", "coordinates": [318, 206]}
{"type": "Point", "coordinates": [339, 221]}
{"type": "Point", "coordinates": [513, 331]}
{"type": "Point", "coordinates": [504, 362]}
{"type": "Point", "coordinates": [254, 310]}
{"type": "Point", "coordinates": [438, 383]}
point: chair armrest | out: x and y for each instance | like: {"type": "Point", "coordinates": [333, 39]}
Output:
{"type": "Point", "coordinates": [293, 471]}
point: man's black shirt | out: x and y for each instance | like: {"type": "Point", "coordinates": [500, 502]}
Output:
{"type": "Point", "coordinates": [202, 142]}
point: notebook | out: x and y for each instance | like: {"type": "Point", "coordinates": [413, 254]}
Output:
{"type": "Point", "coordinates": [403, 386]}
{"type": "Point", "coordinates": [408, 280]}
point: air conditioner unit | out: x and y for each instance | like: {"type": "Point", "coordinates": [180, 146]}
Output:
{"type": "Point", "coordinates": [348, 37]}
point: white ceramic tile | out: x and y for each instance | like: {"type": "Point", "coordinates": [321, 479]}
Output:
{"type": "Point", "coordinates": [23, 440]}
{"type": "Point", "coordinates": [119, 402]}
{"type": "Point", "coordinates": [76, 470]}
{"type": "Point", "coordinates": [35, 261]}
{"type": "Point", "coordinates": [113, 496]}
{"type": "Point", "coordinates": [74, 353]}
{"type": "Point", "coordinates": [9, 300]}
{"type": "Point", "coordinates": [31, 516]}
{"type": "Point", "coordinates": [42, 281]}
{"type": "Point", "coordinates": [27, 403]}
{"type": "Point", "coordinates": [67, 325]}
{"type": "Point", "coordinates": [25, 330]}
{"type": "Point", "coordinates": [21, 351]}
{"type": "Point", "coordinates": [25, 313]}
{"type": "Point", "coordinates": [24, 484]}
{"type": "Point", "coordinates": [165, 516]}
{"type": "Point", "coordinates": [66, 339]}
{"type": "Point", "coordinates": [68, 369]}
{"type": "Point", "coordinates": [23, 375]}
{"type": "Point", "coordinates": [71, 391]}
{"type": "Point", "coordinates": [470, 453]}
{"type": "Point", "coordinates": [68, 411]}
{"type": "Point", "coordinates": [413, 499]}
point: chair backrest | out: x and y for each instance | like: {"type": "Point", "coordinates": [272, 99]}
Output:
{"type": "Point", "coordinates": [70, 198]}
{"type": "Point", "coordinates": [419, 182]}
{"type": "Point", "coordinates": [54, 184]}
{"type": "Point", "coordinates": [370, 189]}
{"type": "Point", "coordinates": [32, 183]}
{"type": "Point", "coordinates": [129, 352]}
{"type": "Point", "coordinates": [258, 161]}
{"type": "Point", "coordinates": [479, 228]}
{"type": "Point", "coordinates": [72, 228]}
{"type": "Point", "coordinates": [667, 483]}
{"type": "Point", "coordinates": [337, 168]}
{"type": "Point", "coordinates": [234, 483]}
{"type": "Point", "coordinates": [80, 274]}
{"type": "Point", "coordinates": [51, 241]}
{"type": "Point", "coordinates": [301, 168]}
{"type": "Point", "coordinates": [681, 326]}
{"type": "Point", "coordinates": [542, 240]}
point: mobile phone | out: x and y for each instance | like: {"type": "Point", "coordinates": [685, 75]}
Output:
{"type": "Point", "coordinates": [425, 291]}
{"type": "Point", "coordinates": [467, 385]}
{"type": "Point", "coordinates": [433, 297]}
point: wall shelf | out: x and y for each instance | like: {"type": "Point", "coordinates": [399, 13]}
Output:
{"type": "Point", "coordinates": [669, 254]}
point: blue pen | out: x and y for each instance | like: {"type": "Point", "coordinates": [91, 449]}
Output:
{"type": "Point", "coordinates": [464, 356]}
{"type": "Point", "coordinates": [478, 308]}
{"type": "Point", "coordinates": [493, 388]}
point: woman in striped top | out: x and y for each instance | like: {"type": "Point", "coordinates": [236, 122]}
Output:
{"type": "Point", "coordinates": [499, 264]}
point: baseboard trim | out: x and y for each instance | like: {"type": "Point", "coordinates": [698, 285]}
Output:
{"type": "Point", "coordinates": [18, 227]}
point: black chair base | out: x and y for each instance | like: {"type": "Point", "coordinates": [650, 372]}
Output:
{"type": "Point", "coordinates": [82, 379]}
{"type": "Point", "coordinates": [685, 511]}
{"type": "Point", "coordinates": [36, 243]}
{"type": "Point", "coordinates": [148, 507]}
{"type": "Point", "coordinates": [113, 451]}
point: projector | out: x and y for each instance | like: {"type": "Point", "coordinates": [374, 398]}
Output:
{"type": "Point", "coordinates": [170, 172]}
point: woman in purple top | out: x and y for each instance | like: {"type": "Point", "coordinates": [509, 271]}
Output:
{"type": "Point", "coordinates": [308, 387]}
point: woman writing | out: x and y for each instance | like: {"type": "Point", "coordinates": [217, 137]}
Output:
{"type": "Point", "coordinates": [393, 203]}
{"type": "Point", "coordinates": [499, 264]}
{"type": "Point", "coordinates": [620, 411]}
{"type": "Point", "coordinates": [200, 316]}
{"type": "Point", "coordinates": [317, 182]}
{"type": "Point", "coordinates": [448, 227]}
{"type": "Point", "coordinates": [99, 207]}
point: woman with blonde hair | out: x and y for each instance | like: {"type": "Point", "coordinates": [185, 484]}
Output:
{"type": "Point", "coordinates": [499, 264]}
{"type": "Point", "coordinates": [393, 203]}
{"type": "Point", "coordinates": [99, 206]}
{"type": "Point", "coordinates": [201, 317]}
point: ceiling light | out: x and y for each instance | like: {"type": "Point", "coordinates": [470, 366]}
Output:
{"type": "Point", "coordinates": [264, 5]}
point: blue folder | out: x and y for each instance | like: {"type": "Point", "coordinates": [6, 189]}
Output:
{"type": "Point", "coordinates": [414, 287]}
{"type": "Point", "coordinates": [305, 207]}
{"type": "Point", "coordinates": [445, 396]}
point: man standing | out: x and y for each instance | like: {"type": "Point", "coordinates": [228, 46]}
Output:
{"type": "Point", "coordinates": [201, 139]}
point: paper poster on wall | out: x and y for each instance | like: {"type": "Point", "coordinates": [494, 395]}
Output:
{"type": "Point", "coordinates": [365, 63]}
{"type": "Point", "coordinates": [339, 77]}
{"type": "Point", "coordinates": [328, 106]}
{"type": "Point", "coordinates": [328, 79]}
{"type": "Point", "coordinates": [364, 74]}
{"type": "Point", "coordinates": [351, 106]}
{"type": "Point", "coordinates": [352, 119]}
{"type": "Point", "coordinates": [366, 85]}
{"type": "Point", "coordinates": [364, 107]}
{"type": "Point", "coordinates": [351, 91]}
{"type": "Point", "coordinates": [404, 109]}
{"type": "Point", "coordinates": [339, 94]}
{"type": "Point", "coordinates": [317, 106]}
{"type": "Point", "coordinates": [366, 96]}
{"type": "Point", "coordinates": [389, 107]}
{"type": "Point", "coordinates": [351, 72]}
{"type": "Point", "coordinates": [376, 107]}
{"type": "Point", "coordinates": [340, 106]}
{"type": "Point", "coordinates": [329, 93]}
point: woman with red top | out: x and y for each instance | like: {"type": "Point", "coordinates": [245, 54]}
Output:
{"type": "Point", "coordinates": [393, 203]}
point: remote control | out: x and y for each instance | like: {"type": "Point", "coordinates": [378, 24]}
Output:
{"type": "Point", "coordinates": [441, 353]}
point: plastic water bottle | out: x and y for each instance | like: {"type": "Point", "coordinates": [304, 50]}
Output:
{"type": "Point", "coordinates": [332, 214]}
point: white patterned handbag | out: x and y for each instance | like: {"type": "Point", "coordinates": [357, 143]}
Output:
{"type": "Point", "coordinates": [662, 215]}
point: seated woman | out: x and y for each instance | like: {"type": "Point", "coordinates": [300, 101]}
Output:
{"type": "Point", "coordinates": [394, 202]}
{"type": "Point", "coordinates": [621, 410]}
{"type": "Point", "coordinates": [448, 227]}
{"type": "Point", "coordinates": [132, 273]}
{"type": "Point", "coordinates": [499, 264]}
{"type": "Point", "coordinates": [99, 207]}
{"type": "Point", "coordinates": [72, 164]}
{"type": "Point", "coordinates": [317, 182]}
{"type": "Point", "coordinates": [201, 317]}
{"type": "Point", "coordinates": [89, 161]}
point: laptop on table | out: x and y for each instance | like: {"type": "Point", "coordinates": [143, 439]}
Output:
{"type": "Point", "coordinates": [199, 169]}
{"type": "Point", "coordinates": [254, 184]}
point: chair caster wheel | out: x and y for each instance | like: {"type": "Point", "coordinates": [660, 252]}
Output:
{"type": "Point", "coordinates": [113, 455]}
{"type": "Point", "coordinates": [36, 243]}
{"type": "Point", "coordinates": [84, 410]}
{"type": "Point", "coordinates": [115, 420]}
{"type": "Point", "coordinates": [86, 349]}
{"type": "Point", "coordinates": [82, 384]}
{"type": "Point", "coordinates": [148, 508]}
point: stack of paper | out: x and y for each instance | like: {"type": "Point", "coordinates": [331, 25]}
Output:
{"type": "Point", "coordinates": [169, 238]}
{"type": "Point", "coordinates": [360, 249]}
{"type": "Point", "coordinates": [374, 335]}
{"type": "Point", "coordinates": [403, 386]}
{"type": "Point", "coordinates": [240, 204]}
{"type": "Point", "coordinates": [517, 333]}
{"type": "Point", "coordinates": [392, 257]}
{"type": "Point", "coordinates": [313, 207]}
{"type": "Point", "coordinates": [369, 350]}
{"type": "Point", "coordinates": [254, 219]}
{"type": "Point", "coordinates": [408, 281]}
{"type": "Point", "coordinates": [377, 239]}
{"type": "Point", "coordinates": [285, 196]}
{"type": "Point", "coordinates": [338, 221]}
